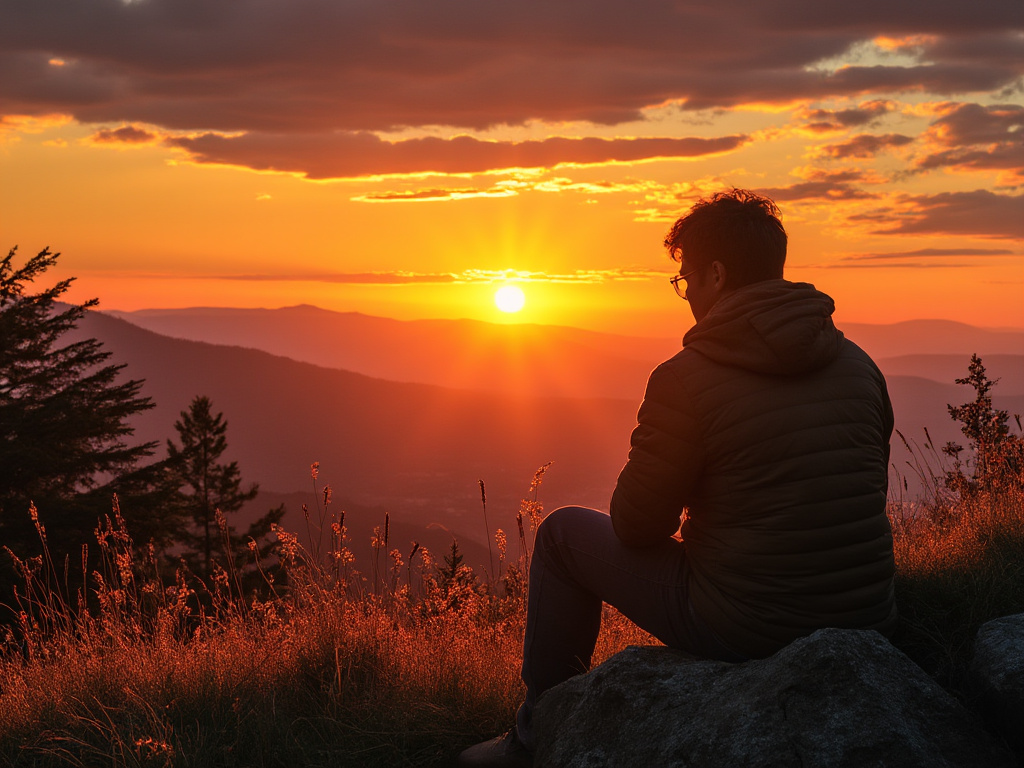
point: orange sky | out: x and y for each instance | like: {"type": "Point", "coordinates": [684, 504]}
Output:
{"type": "Point", "coordinates": [399, 163]}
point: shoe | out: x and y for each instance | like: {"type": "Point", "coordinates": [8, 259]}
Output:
{"type": "Point", "coordinates": [503, 752]}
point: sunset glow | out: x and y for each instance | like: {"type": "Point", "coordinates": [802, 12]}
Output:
{"type": "Point", "coordinates": [389, 178]}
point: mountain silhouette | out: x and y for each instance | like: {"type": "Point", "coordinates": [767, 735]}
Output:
{"type": "Point", "coordinates": [536, 359]}
{"type": "Point", "coordinates": [515, 359]}
{"type": "Point", "coordinates": [419, 450]}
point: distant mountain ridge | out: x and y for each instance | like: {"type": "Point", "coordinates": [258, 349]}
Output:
{"type": "Point", "coordinates": [465, 354]}
{"type": "Point", "coordinates": [1007, 370]}
{"type": "Point", "coordinates": [416, 449]}
{"type": "Point", "coordinates": [419, 450]}
{"type": "Point", "coordinates": [933, 337]}
{"type": "Point", "coordinates": [522, 359]}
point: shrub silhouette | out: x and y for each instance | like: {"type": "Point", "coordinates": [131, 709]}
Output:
{"type": "Point", "coordinates": [998, 455]}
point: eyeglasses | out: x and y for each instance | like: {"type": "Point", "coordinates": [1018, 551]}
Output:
{"type": "Point", "coordinates": [675, 283]}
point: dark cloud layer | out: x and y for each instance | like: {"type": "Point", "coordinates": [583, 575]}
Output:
{"type": "Point", "coordinates": [1005, 157]}
{"type": "Point", "coordinates": [829, 120]}
{"type": "Point", "coordinates": [978, 124]}
{"type": "Point", "coordinates": [348, 155]}
{"type": "Point", "coordinates": [824, 185]}
{"type": "Point", "coordinates": [816, 190]}
{"type": "Point", "coordinates": [979, 213]}
{"type": "Point", "coordinates": [866, 145]}
{"type": "Point", "coordinates": [306, 85]}
{"type": "Point", "coordinates": [322, 65]}
{"type": "Point", "coordinates": [126, 134]}
{"type": "Point", "coordinates": [931, 253]}
{"type": "Point", "coordinates": [974, 137]}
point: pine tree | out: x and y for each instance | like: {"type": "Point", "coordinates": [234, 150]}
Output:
{"type": "Point", "coordinates": [213, 490]}
{"type": "Point", "coordinates": [456, 581]}
{"type": "Point", "coordinates": [64, 414]}
{"type": "Point", "coordinates": [451, 572]}
{"type": "Point", "coordinates": [997, 454]}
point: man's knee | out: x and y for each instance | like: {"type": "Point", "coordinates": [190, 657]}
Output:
{"type": "Point", "coordinates": [550, 528]}
{"type": "Point", "coordinates": [559, 526]}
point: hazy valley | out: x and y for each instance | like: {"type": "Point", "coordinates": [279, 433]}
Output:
{"type": "Point", "coordinates": [468, 401]}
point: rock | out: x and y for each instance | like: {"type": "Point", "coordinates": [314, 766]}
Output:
{"type": "Point", "coordinates": [839, 698]}
{"type": "Point", "coordinates": [997, 674]}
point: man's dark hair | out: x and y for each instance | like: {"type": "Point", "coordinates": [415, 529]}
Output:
{"type": "Point", "coordinates": [741, 229]}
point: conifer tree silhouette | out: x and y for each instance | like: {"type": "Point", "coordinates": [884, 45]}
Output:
{"type": "Point", "coordinates": [208, 487]}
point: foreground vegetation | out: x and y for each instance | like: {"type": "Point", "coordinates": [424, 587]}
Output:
{"type": "Point", "coordinates": [324, 669]}
{"type": "Point", "coordinates": [955, 570]}
{"type": "Point", "coordinates": [960, 549]}
{"type": "Point", "coordinates": [412, 659]}
{"type": "Point", "coordinates": [405, 664]}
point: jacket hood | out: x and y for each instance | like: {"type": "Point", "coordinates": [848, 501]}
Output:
{"type": "Point", "coordinates": [772, 327]}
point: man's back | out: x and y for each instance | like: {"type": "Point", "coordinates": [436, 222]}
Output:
{"type": "Point", "coordinates": [772, 430]}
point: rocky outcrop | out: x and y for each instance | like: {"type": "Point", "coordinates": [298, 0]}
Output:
{"type": "Point", "coordinates": [997, 671]}
{"type": "Point", "coordinates": [838, 698]}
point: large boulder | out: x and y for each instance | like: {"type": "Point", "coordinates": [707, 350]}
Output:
{"type": "Point", "coordinates": [997, 671]}
{"type": "Point", "coordinates": [837, 698]}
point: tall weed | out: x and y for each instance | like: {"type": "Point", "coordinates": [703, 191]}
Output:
{"type": "Point", "coordinates": [322, 669]}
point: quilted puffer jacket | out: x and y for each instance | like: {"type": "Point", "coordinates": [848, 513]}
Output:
{"type": "Point", "coordinates": [769, 433]}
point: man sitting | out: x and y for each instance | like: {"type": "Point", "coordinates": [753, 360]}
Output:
{"type": "Point", "coordinates": [769, 435]}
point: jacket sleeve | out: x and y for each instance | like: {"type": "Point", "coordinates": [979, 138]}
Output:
{"type": "Point", "coordinates": [888, 424]}
{"type": "Point", "coordinates": [664, 464]}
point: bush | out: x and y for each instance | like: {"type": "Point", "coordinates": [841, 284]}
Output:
{"type": "Point", "coordinates": [960, 558]}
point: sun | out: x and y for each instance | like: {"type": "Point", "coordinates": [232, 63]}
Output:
{"type": "Point", "coordinates": [509, 298]}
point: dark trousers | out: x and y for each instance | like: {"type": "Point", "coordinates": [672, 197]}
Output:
{"type": "Point", "coordinates": [578, 564]}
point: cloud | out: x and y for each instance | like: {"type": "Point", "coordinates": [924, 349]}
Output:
{"type": "Point", "coordinates": [353, 155]}
{"type": "Point", "coordinates": [562, 184]}
{"type": "Point", "coordinates": [973, 137]}
{"type": "Point", "coordinates": [360, 278]}
{"type": "Point", "coordinates": [315, 66]}
{"type": "Point", "coordinates": [979, 213]}
{"type": "Point", "coordinates": [1004, 157]}
{"type": "Point", "coordinates": [931, 253]}
{"type": "Point", "coordinates": [865, 145]}
{"type": "Point", "coordinates": [824, 185]}
{"type": "Point", "coordinates": [890, 265]}
{"type": "Point", "coordinates": [504, 188]}
{"type": "Point", "coordinates": [126, 134]}
{"type": "Point", "coordinates": [410, 278]}
{"type": "Point", "coordinates": [977, 124]}
{"type": "Point", "coordinates": [816, 190]}
{"type": "Point", "coordinates": [31, 123]}
{"type": "Point", "coordinates": [665, 203]}
{"type": "Point", "coordinates": [432, 195]}
{"type": "Point", "coordinates": [311, 87]}
{"type": "Point", "coordinates": [576, 276]}
{"type": "Point", "coordinates": [833, 120]}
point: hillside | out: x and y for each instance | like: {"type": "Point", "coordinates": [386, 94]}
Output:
{"type": "Point", "coordinates": [946, 369]}
{"type": "Point", "coordinates": [515, 359]}
{"type": "Point", "coordinates": [418, 450]}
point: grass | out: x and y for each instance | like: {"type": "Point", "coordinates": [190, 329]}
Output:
{"type": "Point", "coordinates": [955, 571]}
{"type": "Point", "coordinates": [959, 552]}
{"type": "Point", "coordinates": [402, 668]}
{"type": "Point", "coordinates": [334, 683]}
